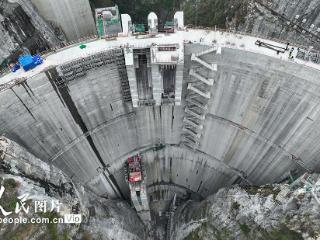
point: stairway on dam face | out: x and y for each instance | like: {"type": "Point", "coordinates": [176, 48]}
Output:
{"type": "Point", "coordinates": [197, 98]}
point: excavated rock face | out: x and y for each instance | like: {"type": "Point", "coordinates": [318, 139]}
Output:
{"type": "Point", "coordinates": [293, 21]}
{"type": "Point", "coordinates": [21, 26]}
{"type": "Point", "coordinates": [289, 20]}
{"type": "Point", "coordinates": [268, 212]}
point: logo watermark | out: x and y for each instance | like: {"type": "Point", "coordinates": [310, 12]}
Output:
{"type": "Point", "coordinates": [67, 218]}
{"type": "Point", "coordinates": [48, 213]}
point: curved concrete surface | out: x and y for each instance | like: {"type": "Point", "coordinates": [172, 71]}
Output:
{"type": "Point", "coordinates": [262, 120]}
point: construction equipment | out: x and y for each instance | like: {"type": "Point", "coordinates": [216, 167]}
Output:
{"type": "Point", "coordinates": [278, 49]}
{"type": "Point", "coordinates": [169, 27]}
{"type": "Point", "coordinates": [135, 176]}
{"type": "Point", "coordinates": [139, 29]}
{"type": "Point", "coordinates": [134, 169]}
{"type": "Point", "coordinates": [108, 22]}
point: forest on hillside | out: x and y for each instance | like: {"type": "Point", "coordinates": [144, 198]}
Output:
{"type": "Point", "coordinates": [207, 13]}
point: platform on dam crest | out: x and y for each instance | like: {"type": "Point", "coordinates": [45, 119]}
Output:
{"type": "Point", "coordinates": [205, 37]}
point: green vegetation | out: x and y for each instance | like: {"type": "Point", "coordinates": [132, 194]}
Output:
{"type": "Point", "coordinates": [26, 231]}
{"type": "Point", "coordinates": [206, 229]}
{"type": "Point", "coordinates": [52, 227]}
{"type": "Point", "coordinates": [235, 206]}
{"type": "Point", "coordinates": [193, 235]}
{"type": "Point", "coordinates": [9, 197]}
{"type": "Point", "coordinates": [223, 234]}
{"type": "Point", "coordinates": [65, 236]}
{"type": "Point", "coordinates": [207, 13]}
{"type": "Point", "coordinates": [23, 231]}
{"type": "Point", "coordinates": [210, 13]}
{"type": "Point", "coordinates": [201, 211]}
{"type": "Point", "coordinates": [244, 229]}
{"type": "Point", "coordinates": [8, 201]}
{"type": "Point", "coordinates": [9, 204]}
{"type": "Point", "coordinates": [10, 184]}
{"type": "Point", "coordinates": [283, 233]}
{"type": "Point", "coordinates": [196, 234]}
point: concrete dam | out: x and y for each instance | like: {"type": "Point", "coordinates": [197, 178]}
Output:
{"type": "Point", "coordinates": [205, 109]}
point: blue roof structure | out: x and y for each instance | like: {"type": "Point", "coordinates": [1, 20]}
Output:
{"type": "Point", "coordinates": [29, 62]}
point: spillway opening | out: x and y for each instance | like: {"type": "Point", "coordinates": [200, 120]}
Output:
{"type": "Point", "coordinates": [169, 80]}
{"type": "Point", "coordinates": [143, 74]}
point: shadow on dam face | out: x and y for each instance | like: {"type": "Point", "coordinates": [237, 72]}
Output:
{"type": "Point", "coordinates": [260, 123]}
{"type": "Point", "coordinates": [63, 91]}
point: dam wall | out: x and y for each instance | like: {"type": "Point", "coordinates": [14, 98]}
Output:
{"type": "Point", "coordinates": [262, 121]}
{"type": "Point", "coordinates": [73, 17]}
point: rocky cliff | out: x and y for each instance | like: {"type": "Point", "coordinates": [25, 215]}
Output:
{"type": "Point", "coordinates": [22, 27]}
{"type": "Point", "coordinates": [293, 21]}
{"type": "Point", "coordinates": [274, 212]}
{"type": "Point", "coordinates": [22, 174]}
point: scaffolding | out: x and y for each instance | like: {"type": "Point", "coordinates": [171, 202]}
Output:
{"type": "Point", "coordinates": [308, 55]}
{"type": "Point", "coordinates": [78, 68]}
{"type": "Point", "coordinates": [108, 21]}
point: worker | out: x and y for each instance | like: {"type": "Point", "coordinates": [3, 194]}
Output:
{"type": "Point", "coordinates": [292, 49]}
{"type": "Point", "coordinates": [290, 53]}
{"type": "Point", "coordinates": [287, 47]}
{"type": "Point", "coordinates": [14, 66]}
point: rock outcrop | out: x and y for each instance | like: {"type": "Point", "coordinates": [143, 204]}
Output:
{"type": "Point", "coordinates": [22, 174]}
{"type": "Point", "coordinates": [279, 211]}
{"type": "Point", "coordinates": [292, 21]}
{"type": "Point", "coordinates": [22, 27]}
